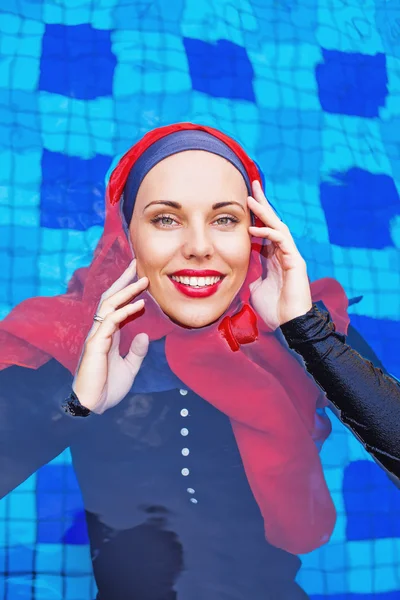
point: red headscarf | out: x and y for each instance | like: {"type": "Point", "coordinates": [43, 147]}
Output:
{"type": "Point", "coordinates": [238, 364]}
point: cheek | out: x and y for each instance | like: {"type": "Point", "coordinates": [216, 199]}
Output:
{"type": "Point", "coordinates": [151, 254]}
{"type": "Point", "coordinates": [236, 252]}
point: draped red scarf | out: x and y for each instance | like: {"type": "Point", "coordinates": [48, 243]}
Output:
{"type": "Point", "coordinates": [238, 364]}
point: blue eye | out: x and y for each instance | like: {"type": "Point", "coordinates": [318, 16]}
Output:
{"type": "Point", "coordinates": [161, 220]}
{"type": "Point", "coordinates": [231, 219]}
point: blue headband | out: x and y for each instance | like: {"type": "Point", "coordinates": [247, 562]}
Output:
{"type": "Point", "coordinates": [173, 143]}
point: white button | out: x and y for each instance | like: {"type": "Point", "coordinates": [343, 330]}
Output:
{"type": "Point", "coordinates": [184, 412]}
{"type": "Point", "coordinates": [190, 490]}
{"type": "Point", "coordinates": [184, 431]}
{"type": "Point", "coordinates": [185, 451]}
{"type": "Point", "coordinates": [185, 472]}
{"type": "Point", "coordinates": [193, 500]}
{"type": "Point", "coordinates": [183, 392]}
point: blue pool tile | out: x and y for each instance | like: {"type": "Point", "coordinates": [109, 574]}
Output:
{"type": "Point", "coordinates": [352, 83]}
{"type": "Point", "coordinates": [355, 197]}
{"type": "Point", "coordinates": [287, 22]}
{"type": "Point", "coordinates": [371, 502]}
{"type": "Point", "coordinates": [77, 534]}
{"type": "Point", "coordinates": [386, 15]}
{"type": "Point", "coordinates": [21, 532]}
{"type": "Point", "coordinates": [77, 61]}
{"type": "Point", "coordinates": [77, 588]}
{"type": "Point", "coordinates": [147, 18]}
{"type": "Point", "coordinates": [77, 559]}
{"type": "Point", "coordinates": [383, 336]}
{"type": "Point", "coordinates": [22, 505]}
{"type": "Point", "coordinates": [50, 506]}
{"type": "Point", "coordinates": [50, 532]}
{"type": "Point", "coordinates": [21, 290]}
{"type": "Point", "coordinates": [29, 9]}
{"type": "Point", "coordinates": [72, 191]}
{"type": "Point", "coordinates": [50, 478]}
{"type": "Point", "coordinates": [20, 558]}
{"type": "Point", "coordinates": [222, 70]}
{"type": "Point", "coordinates": [19, 120]}
{"type": "Point", "coordinates": [48, 587]}
{"type": "Point", "coordinates": [289, 143]}
{"type": "Point", "coordinates": [49, 558]}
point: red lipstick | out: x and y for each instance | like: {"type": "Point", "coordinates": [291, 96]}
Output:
{"type": "Point", "coordinates": [197, 292]}
{"type": "Point", "coordinates": [197, 273]}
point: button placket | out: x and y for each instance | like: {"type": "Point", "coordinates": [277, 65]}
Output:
{"type": "Point", "coordinates": [185, 451]}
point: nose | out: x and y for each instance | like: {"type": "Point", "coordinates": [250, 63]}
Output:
{"type": "Point", "coordinates": [197, 242]}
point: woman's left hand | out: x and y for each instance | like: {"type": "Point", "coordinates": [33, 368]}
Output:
{"type": "Point", "coordinates": [284, 293]}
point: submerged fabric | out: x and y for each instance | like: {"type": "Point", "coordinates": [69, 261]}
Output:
{"type": "Point", "coordinates": [148, 539]}
{"type": "Point", "coordinates": [276, 427]}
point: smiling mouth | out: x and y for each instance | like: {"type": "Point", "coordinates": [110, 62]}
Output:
{"type": "Point", "coordinates": [197, 282]}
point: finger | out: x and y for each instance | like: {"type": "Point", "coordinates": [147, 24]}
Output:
{"type": "Point", "coordinates": [137, 352]}
{"type": "Point", "coordinates": [122, 281]}
{"type": "Point", "coordinates": [119, 299]}
{"type": "Point", "coordinates": [101, 337]}
{"type": "Point", "coordinates": [125, 295]}
{"type": "Point", "coordinates": [262, 201]}
{"type": "Point", "coordinates": [285, 243]}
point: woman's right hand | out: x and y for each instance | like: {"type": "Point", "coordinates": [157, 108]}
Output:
{"type": "Point", "coordinates": [103, 377]}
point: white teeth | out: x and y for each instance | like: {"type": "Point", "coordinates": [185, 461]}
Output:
{"type": "Point", "coordinates": [196, 281]}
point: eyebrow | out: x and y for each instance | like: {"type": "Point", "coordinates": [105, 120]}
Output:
{"type": "Point", "coordinates": [178, 206]}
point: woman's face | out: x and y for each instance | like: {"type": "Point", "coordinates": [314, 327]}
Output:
{"type": "Point", "coordinates": [189, 231]}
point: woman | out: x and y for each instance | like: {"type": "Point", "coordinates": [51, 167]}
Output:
{"type": "Point", "coordinates": [201, 478]}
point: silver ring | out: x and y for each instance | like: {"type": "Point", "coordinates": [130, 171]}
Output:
{"type": "Point", "coordinates": [98, 318]}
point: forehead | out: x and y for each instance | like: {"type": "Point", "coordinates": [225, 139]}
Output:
{"type": "Point", "coordinates": [192, 171]}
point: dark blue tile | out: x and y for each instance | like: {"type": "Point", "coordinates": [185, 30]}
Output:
{"type": "Point", "coordinates": [371, 502]}
{"type": "Point", "coordinates": [50, 532]}
{"type": "Point", "coordinates": [383, 336]}
{"type": "Point", "coordinates": [77, 532]}
{"type": "Point", "coordinates": [50, 478]}
{"type": "Point", "coordinates": [355, 214]}
{"type": "Point", "coordinates": [352, 83]}
{"type": "Point", "coordinates": [77, 61]}
{"type": "Point", "coordinates": [222, 70]}
{"type": "Point", "coordinates": [50, 506]}
{"type": "Point", "coordinates": [72, 191]}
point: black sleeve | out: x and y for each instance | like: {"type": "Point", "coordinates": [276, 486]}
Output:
{"type": "Point", "coordinates": [33, 427]}
{"type": "Point", "coordinates": [367, 398]}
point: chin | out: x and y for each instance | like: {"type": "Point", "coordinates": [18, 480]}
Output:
{"type": "Point", "coordinates": [194, 320]}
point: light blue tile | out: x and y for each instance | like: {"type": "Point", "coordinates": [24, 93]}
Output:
{"type": "Point", "coordinates": [77, 559]}
{"type": "Point", "coordinates": [360, 555]}
{"type": "Point", "coordinates": [77, 127]}
{"type": "Point", "coordinates": [77, 588]}
{"type": "Point", "coordinates": [26, 167]}
{"type": "Point", "coordinates": [26, 217]}
{"type": "Point", "coordinates": [10, 24]}
{"type": "Point", "coordinates": [21, 533]}
{"type": "Point", "coordinates": [22, 505]}
{"type": "Point", "coordinates": [336, 583]}
{"type": "Point", "coordinates": [49, 558]}
{"type": "Point", "coordinates": [19, 586]}
{"type": "Point", "coordinates": [361, 581]}
{"type": "Point", "coordinates": [48, 587]}
{"type": "Point", "coordinates": [312, 580]}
